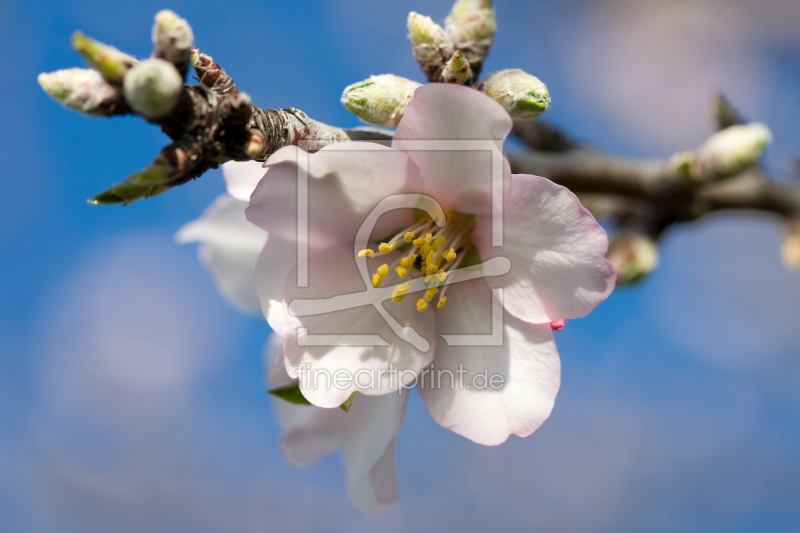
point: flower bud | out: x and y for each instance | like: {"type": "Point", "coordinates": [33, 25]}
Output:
{"type": "Point", "coordinates": [471, 26]}
{"type": "Point", "coordinates": [633, 256]}
{"type": "Point", "coordinates": [456, 70]}
{"type": "Point", "coordinates": [380, 100]}
{"type": "Point", "coordinates": [522, 95]}
{"type": "Point", "coordinates": [107, 60]}
{"type": "Point", "coordinates": [790, 250]}
{"type": "Point", "coordinates": [172, 39]}
{"type": "Point", "coordinates": [733, 149]}
{"type": "Point", "coordinates": [153, 88]}
{"type": "Point", "coordinates": [430, 44]}
{"type": "Point", "coordinates": [83, 90]}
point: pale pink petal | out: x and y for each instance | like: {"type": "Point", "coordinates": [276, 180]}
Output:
{"type": "Point", "coordinates": [372, 370]}
{"type": "Point", "coordinates": [229, 248]}
{"type": "Point", "coordinates": [366, 435]}
{"type": "Point", "coordinates": [277, 258]}
{"type": "Point", "coordinates": [557, 252]}
{"type": "Point", "coordinates": [460, 176]}
{"type": "Point", "coordinates": [345, 183]}
{"type": "Point", "coordinates": [315, 432]}
{"type": "Point", "coordinates": [369, 452]}
{"type": "Point", "coordinates": [273, 359]}
{"type": "Point", "coordinates": [241, 177]}
{"type": "Point", "coordinates": [527, 362]}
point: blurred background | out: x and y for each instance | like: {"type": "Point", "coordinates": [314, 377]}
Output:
{"type": "Point", "coordinates": [132, 395]}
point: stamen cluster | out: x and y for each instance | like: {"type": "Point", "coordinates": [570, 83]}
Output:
{"type": "Point", "coordinates": [426, 254]}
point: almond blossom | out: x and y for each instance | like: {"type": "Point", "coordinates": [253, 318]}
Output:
{"type": "Point", "coordinates": [558, 271]}
{"type": "Point", "coordinates": [555, 247]}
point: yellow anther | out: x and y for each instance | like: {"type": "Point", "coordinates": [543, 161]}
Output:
{"type": "Point", "coordinates": [438, 262]}
{"type": "Point", "coordinates": [438, 242]}
{"type": "Point", "coordinates": [401, 289]}
{"type": "Point", "coordinates": [408, 237]}
{"type": "Point", "coordinates": [385, 248]}
{"type": "Point", "coordinates": [432, 269]}
{"type": "Point", "coordinates": [402, 272]}
{"type": "Point", "coordinates": [425, 250]}
{"type": "Point", "coordinates": [383, 270]}
{"type": "Point", "coordinates": [429, 237]}
{"type": "Point", "coordinates": [450, 255]}
{"type": "Point", "coordinates": [441, 303]}
{"type": "Point", "coordinates": [362, 253]}
{"type": "Point", "coordinates": [419, 243]}
{"type": "Point", "coordinates": [430, 293]}
{"type": "Point", "coordinates": [429, 258]}
{"type": "Point", "coordinates": [376, 280]}
{"type": "Point", "coordinates": [421, 305]}
{"type": "Point", "coordinates": [399, 292]}
{"type": "Point", "coordinates": [436, 278]}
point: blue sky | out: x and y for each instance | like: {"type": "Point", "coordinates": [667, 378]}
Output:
{"type": "Point", "coordinates": [132, 395]}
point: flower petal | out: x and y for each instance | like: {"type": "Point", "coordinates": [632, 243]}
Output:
{"type": "Point", "coordinates": [459, 178]}
{"type": "Point", "coordinates": [366, 435]}
{"type": "Point", "coordinates": [273, 359]}
{"type": "Point", "coordinates": [230, 248]}
{"type": "Point", "coordinates": [369, 453]}
{"type": "Point", "coordinates": [345, 183]}
{"type": "Point", "coordinates": [242, 177]}
{"type": "Point", "coordinates": [527, 361]}
{"type": "Point", "coordinates": [557, 252]}
{"type": "Point", "coordinates": [372, 370]}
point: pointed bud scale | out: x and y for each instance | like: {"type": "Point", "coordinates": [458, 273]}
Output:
{"type": "Point", "coordinates": [524, 96]}
{"type": "Point", "coordinates": [430, 44]}
{"type": "Point", "coordinates": [107, 60]}
{"type": "Point", "coordinates": [633, 256]}
{"type": "Point", "coordinates": [153, 87]}
{"type": "Point", "coordinates": [151, 181]}
{"type": "Point", "coordinates": [456, 70]}
{"type": "Point", "coordinates": [733, 149]}
{"type": "Point", "coordinates": [83, 90]}
{"type": "Point", "coordinates": [172, 39]}
{"type": "Point", "coordinates": [380, 100]}
{"type": "Point", "coordinates": [471, 25]}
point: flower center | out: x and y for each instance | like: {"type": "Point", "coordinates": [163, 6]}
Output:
{"type": "Point", "coordinates": [427, 251]}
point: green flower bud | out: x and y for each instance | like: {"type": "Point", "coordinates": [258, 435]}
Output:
{"type": "Point", "coordinates": [633, 256]}
{"type": "Point", "coordinates": [471, 25]}
{"type": "Point", "coordinates": [172, 39]}
{"type": "Point", "coordinates": [523, 95]}
{"type": "Point", "coordinates": [733, 149]}
{"type": "Point", "coordinates": [83, 90]}
{"type": "Point", "coordinates": [380, 100]}
{"type": "Point", "coordinates": [107, 60]}
{"type": "Point", "coordinates": [430, 44]}
{"type": "Point", "coordinates": [456, 70]}
{"type": "Point", "coordinates": [153, 88]}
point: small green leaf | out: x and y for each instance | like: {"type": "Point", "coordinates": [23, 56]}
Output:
{"type": "Point", "coordinates": [348, 402]}
{"type": "Point", "coordinates": [291, 394]}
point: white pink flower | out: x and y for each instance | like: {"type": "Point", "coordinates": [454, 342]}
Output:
{"type": "Point", "coordinates": [556, 248]}
{"type": "Point", "coordinates": [558, 271]}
